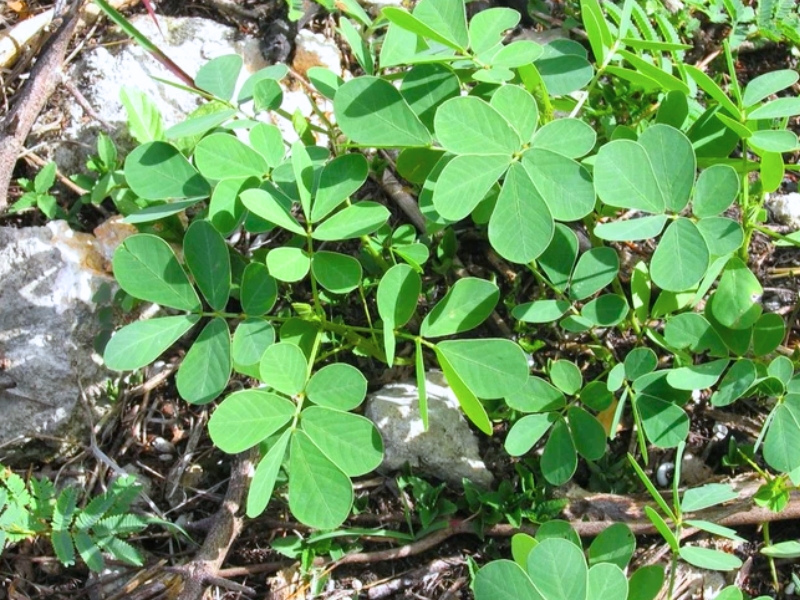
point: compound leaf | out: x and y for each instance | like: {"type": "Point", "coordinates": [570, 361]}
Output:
{"type": "Point", "coordinates": [682, 257]}
{"type": "Point", "coordinates": [521, 227]}
{"type": "Point", "coordinates": [469, 125]}
{"type": "Point", "coordinates": [783, 436]}
{"type": "Point", "coordinates": [372, 112]}
{"type": "Point", "coordinates": [320, 494]}
{"type": "Point", "coordinates": [351, 441]}
{"type": "Point", "coordinates": [339, 178]}
{"type": "Point", "coordinates": [559, 460]}
{"type": "Point", "coordinates": [158, 171]}
{"type": "Point", "coordinates": [266, 475]}
{"type": "Point", "coordinates": [258, 290]}
{"type": "Point", "coordinates": [465, 306]}
{"type": "Point", "coordinates": [340, 386]}
{"type": "Point", "coordinates": [207, 257]}
{"type": "Point", "coordinates": [284, 368]}
{"type": "Point", "coordinates": [206, 368]}
{"type": "Point", "coordinates": [248, 417]}
{"type": "Point", "coordinates": [140, 343]}
{"type": "Point", "coordinates": [146, 267]}
{"type": "Point", "coordinates": [218, 76]}
{"type": "Point", "coordinates": [337, 273]}
{"type": "Point", "coordinates": [596, 269]}
{"type": "Point", "coordinates": [223, 156]}
{"type": "Point", "coordinates": [352, 222]}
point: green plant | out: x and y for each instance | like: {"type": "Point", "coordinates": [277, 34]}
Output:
{"type": "Point", "coordinates": [512, 502]}
{"type": "Point", "coordinates": [692, 500]}
{"type": "Point", "coordinates": [37, 194]}
{"type": "Point", "coordinates": [553, 566]}
{"type": "Point", "coordinates": [108, 181]}
{"type": "Point", "coordinates": [773, 20]}
{"type": "Point", "coordinates": [425, 501]}
{"type": "Point", "coordinates": [34, 510]}
{"type": "Point", "coordinates": [344, 286]}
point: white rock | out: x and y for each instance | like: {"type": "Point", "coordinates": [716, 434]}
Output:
{"type": "Point", "coordinates": [163, 446]}
{"type": "Point", "coordinates": [298, 101]}
{"type": "Point", "coordinates": [448, 450]}
{"type": "Point", "coordinates": [786, 209]}
{"type": "Point", "coordinates": [315, 50]}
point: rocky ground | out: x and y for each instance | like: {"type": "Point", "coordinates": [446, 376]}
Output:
{"type": "Point", "coordinates": [63, 419]}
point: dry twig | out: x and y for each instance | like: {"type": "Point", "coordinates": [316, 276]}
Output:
{"type": "Point", "coordinates": [204, 569]}
{"type": "Point", "coordinates": [44, 77]}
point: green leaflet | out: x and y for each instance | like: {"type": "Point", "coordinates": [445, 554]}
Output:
{"type": "Point", "coordinates": [147, 268]}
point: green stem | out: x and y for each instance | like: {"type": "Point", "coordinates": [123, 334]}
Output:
{"type": "Point", "coordinates": [366, 314]}
{"type": "Point", "coordinates": [300, 398]}
{"type": "Point", "coordinates": [773, 571]}
{"type": "Point", "coordinates": [595, 80]}
{"type": "Point", "coordinates": [747, 218]}
{"type": "Point", "coordinates": [776, 236]}
{"type": "Point", "coordinates": [314, 291]}
{"type": "Point", "coordinates": [673, 568]}
{"type": "Point", "coordinates": [376, 256]}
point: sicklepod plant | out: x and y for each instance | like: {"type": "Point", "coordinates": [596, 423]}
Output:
{"type": "Point", "coordinates": [303, 281]}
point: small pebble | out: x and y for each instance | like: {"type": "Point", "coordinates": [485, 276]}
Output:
{"type": "Point", "coordinates": [720, 431]}
{"type": "Point", "coordinates": [789, 589]}
{"type": "Point", "coordinates": [156, 368]}
{"type": "Point", "coordinates": [162, 446]}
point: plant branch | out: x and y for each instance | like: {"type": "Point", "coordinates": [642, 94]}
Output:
{"type": "Point", "coordinates": [44, 78]}
{"type": "Point", "coordinates": [204, 569]}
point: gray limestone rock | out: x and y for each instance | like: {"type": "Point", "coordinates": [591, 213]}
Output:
{"type": "Point", "coordinates": [47, 327]}
{"type": "Point", "coordinates": [448, 450]}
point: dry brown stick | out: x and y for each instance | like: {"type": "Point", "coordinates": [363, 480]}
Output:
{"type": "Point", "coordinates": [38, 161]}
{"type": "Point", "coordinates": [405, 201]}
{"type": "Point", "coordinates": [83, 102]}
{"type": "Point", "coordinates": [729, 516]}
{"type": "Point", "coordinates": [204, 569]}
{"type": "Point", "coordinates": [44, 77]}
{"type": "Point", "coordinates": [406, 580]}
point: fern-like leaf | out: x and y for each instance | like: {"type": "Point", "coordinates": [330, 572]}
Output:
{"type": "Point", "coordinates": [65, 509]}
{"type": "Point", "coordinates": [786, 11]}
{"type": "Point", "coordinates": [121, 550]}
{"type": "Point", "coordinates": [296, 9]}
{"type": "Point", "coordinates": [42, 493]}
{"type": "Point", "coordinates": [120, 525]}
{"type": "Point", "coordinates": [95, 510]}
{"type": "Point", "coordinates": [125, 490]}
{"type": "Point", "coordinates": [765, 17]}
{"type": "Point", "coordinates": [17, 523]}
{"type": "Point", "coordinates": [643, 23]}
{"type": "Point", "coordinates": [17, 488]}
{"type": "Point", "coordinates": [62, 545]}
{"type": "Point", "coordinates": [89, 551]}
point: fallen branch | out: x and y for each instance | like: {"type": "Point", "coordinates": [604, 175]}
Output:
{"type": "Point", "coordinates": [204, 570]}
{"type": "Point", "coordinates": [44, 77]}
{"type": "Point", "coordinates": [42, 81]}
